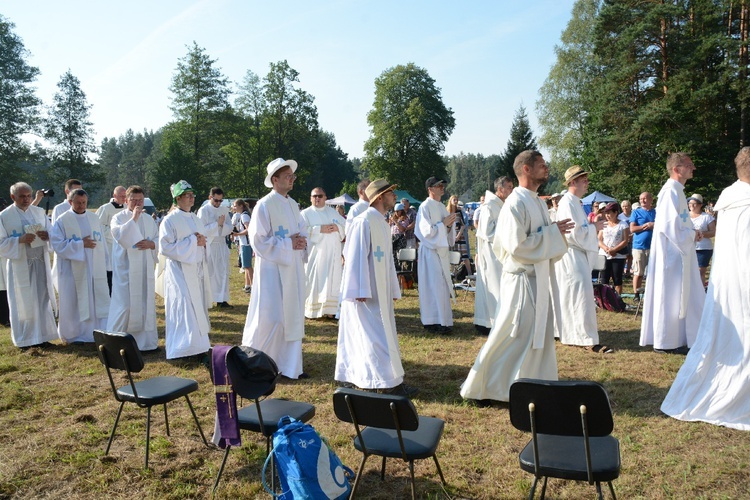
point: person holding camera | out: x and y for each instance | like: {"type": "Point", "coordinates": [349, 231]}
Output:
{"type": "Point", "coordinates": [613, 244]}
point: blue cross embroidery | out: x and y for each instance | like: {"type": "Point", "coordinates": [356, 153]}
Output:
{"type": "Point", "coordinates": [97, 236]}
{"type": "Point", "coordinates": [281, 233]}
{"type": "Point", "coordinates": [16, 234]}
{"type": "Point", "coordinates": [539, 230]}
{"type": "Point", "coordinates": [378, 253]}
{"type": "Point", "coordinates": [75, 238]}
{"type": "Point", "coordinates": [684, 216]}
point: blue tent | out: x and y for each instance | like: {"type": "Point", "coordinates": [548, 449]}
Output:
{"type": "Point", "coordinates": [595, 197]}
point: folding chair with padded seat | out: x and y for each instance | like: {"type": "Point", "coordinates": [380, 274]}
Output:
{"type": "Point", "coordinates": [119, 351]}
{"type": "Point", "coordinates": [393, 429]}
{"type": "Point", "coordinates": [253, 376]}
{"type": "Point", "coordinates": [570, 424]}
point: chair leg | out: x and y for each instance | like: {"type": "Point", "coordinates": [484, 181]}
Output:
{"type": "Point", "coordinates": [533, 488]}
{"type": "Point", "coordinates": [148, 432]}
{"type": "Point", "coordinates": [359, 475]}
{"type": "Point", "coordinates": [382, 470]}
{"type": "Point", "coordinates": [612, 490]}
{"type": "Point", "coordinates": [221, 470]}
{"type": "Point", "coordinates": [413, 486]}
{"type": "Point", "coordinates": [440, 471]}
{"type": "Point", "coordinates": [114, 427]}
{"type": "Point", "coordinates": [544, 487]}
{"type": "Point", "coordinates": [599, 490]}
{"type": "Point", "coordinates": [166, 418]}
{"type": "Point", "coordinates": [200, 429]}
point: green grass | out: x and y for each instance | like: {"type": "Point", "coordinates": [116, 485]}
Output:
{"type": "Point", "coordinates": [56, 411]}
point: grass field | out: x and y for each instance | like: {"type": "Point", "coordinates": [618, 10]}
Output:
{"type": "Point", "coordinates": [56, 411]}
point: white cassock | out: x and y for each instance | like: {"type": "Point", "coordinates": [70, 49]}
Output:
{"type": "Point", "coordinates": [218, 251]}
{"type": "Point", "coordinates": [31, 299]}
{"type": "Point", "coordinates": [712, 385]}
{"type": "Point", "coordinates": [489, 268]}
{"type": "Point", "coordinates": [674, 295]}
{"type": "Point", "coordinates": [105, 214]}
{"type": "Point", "coordinates": [323, 269]}
{"type": "Point", "coordinates": [368, 354]}
{"type": "Point", "coordinates": [82, 280]}
{"type": "Point", "coordinates": [354, 211]}
{"type": "Point", "coordinates": [521, 343]}
{"type": "Point", "coordinates": [187, 291]}
{"type": "Point", "coordinates": [57, 211]}
{"type": "Point", "coordinates": [133, 308]}
{"type": "Point", "coordinates": [275, 322]}
{"type": "Point", "coordinates": [573, 272]}
{"type": "Point", "coordinates": [433, 265]}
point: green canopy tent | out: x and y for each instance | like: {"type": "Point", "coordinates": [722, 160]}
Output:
{"type": "Point", "coordinates": [405, 194]}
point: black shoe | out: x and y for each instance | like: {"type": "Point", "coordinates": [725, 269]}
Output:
{"type": "Point", "coordinates": [225, 305]}
{"type": "Point", "coordinates": [679, 350]}
{"type": "Point", "coordinates": [303, 376]}
{"type": "Point", "coordinates": [444, 330]}
{"type": "Point", "coordinates": [431, 328]}
{"type": "Point", "coordinates": [480, 403]}
{"type": "Point", "coordinates": [407, 391]}
{"type": "Point", "coordinates": [482, 330]}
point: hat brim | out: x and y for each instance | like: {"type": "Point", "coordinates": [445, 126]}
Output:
{"type": "Point", "coordinates": [576, 176]}
{"type": "Point", "coordinates": [377, 195]}
{"type": "Point", "coordinates": [287, 163]}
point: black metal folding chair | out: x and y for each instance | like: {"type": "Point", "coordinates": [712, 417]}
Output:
{"type": "Point", "coordinates": [388, 426]}
{"type": "Point", "coordinates": [119, 351]}
{"type": "Point", "coordinates": [570, 424]}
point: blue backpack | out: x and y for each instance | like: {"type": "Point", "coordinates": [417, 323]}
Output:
{"type": "Point", "coordinates": [307, 467]}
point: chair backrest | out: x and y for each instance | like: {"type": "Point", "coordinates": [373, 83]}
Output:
{"type": "Point", "coordinates": [374, 410]}
{"type": "Point", "coordinates": [407, 254]}
{"type": "Point", "coordinates": [111, 346]}
{"type": "Point", "coordinates": [558, 406]}
{"type": "Point", "coordinates": [454, 257]}
{"type": "Point", "coordinates": [600, 263]}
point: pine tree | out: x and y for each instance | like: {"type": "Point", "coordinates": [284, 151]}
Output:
{"type": "Point", "coordinates": [521, 139]}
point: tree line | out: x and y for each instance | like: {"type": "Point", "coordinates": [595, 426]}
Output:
{"type": "Point", "coordinates": [636, 80]}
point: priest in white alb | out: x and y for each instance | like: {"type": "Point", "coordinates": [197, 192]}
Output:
{"type": "Point", "coordinates": [489, 268]}
{"type": "Point", "coordinates": [105, 214]}
{"type": "Point", "coordinates": [184, 282]}
{"type": "Point", "coordinates": [218, 223]}
{"type": "Point", "coordinates": [674, 296]}
{"type": "Point", "coordinates": [24, 247]}
{"type": "Point", "coordinates": [521, 343]}
{"type": "Point", "coordinates": [368, 354]}
{"type": "Point", "coordinates": [712, 385]}
{"type": "Point", "coordinates": [275, 322]}
{"type": "Point", "coordinates": [78, 240]}
{"type": "Point", "coordinates": [436, 231]}
{"type": "Point", "coordinates": [134, 256]}
{"type": "Point", "coordinates": [325, 234]}
{"type": "Point", "coordinates": [361, 205]}
{"type": "Point", "coordinates": [578, 326]}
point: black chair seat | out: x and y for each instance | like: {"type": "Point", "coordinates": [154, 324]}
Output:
{"type": "Point", "coordinates": [158, 390]}
{"type": "Point", "coordinates": [272, 410]}
{"type": "Point", "coordinates": [419, 444]}
{"type": "Point", "coordinates": [556, 458]}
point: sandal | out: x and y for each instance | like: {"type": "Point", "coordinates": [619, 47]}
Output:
{"type": "Point", "coordinates": [600, 348]}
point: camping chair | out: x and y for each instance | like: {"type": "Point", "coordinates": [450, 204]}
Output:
{"type": "Point", "coordinates": [254, 374]}
{"type": "Point", "coordinates": [119, 351]}
{"type": "Point", "coordinates": [570, 424]}
{"type": "Point", "coordinates": [406, 258]}
{"type": "Point", "coordinates": [393, 429]}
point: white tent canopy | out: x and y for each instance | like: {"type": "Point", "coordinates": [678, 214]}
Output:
{"type": "Point", "coordinates": [344, 199]}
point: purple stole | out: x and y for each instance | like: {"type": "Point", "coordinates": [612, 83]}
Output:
{"type": "Point", "coordinates": [226, 399]}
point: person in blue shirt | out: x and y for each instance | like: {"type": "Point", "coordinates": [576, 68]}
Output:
{"type": "Point", "coordinates": [642, 228]}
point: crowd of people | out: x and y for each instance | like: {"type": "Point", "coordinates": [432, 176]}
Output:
{"type": "Point", "coordinates": [533, 275]}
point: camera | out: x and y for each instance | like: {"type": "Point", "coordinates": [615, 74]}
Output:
{"type": "Point", "coordinates": [49, 192]}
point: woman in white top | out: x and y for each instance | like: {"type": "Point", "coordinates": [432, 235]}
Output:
{"type": "Point", "coordinates": [613, 244]}
{"type": "Point", "coordinates": [705, 226]}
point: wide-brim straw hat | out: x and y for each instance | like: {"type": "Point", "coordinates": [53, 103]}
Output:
{"type": "Point", "coordinates": [377, 188]}
{"type": "Point", "coordinates": [573, 173]}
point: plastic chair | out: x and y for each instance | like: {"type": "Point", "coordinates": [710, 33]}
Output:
{"type": "Point", "coordinates": [119, 351]}
{"type": "Point", "coordinates": [406, 258]}
{"type": "Point", "coordinates": [570, 424]}
{"type": "Point", "coordinates": [263, 415]}
{"type": "Point", "coordinates": [393, 429]}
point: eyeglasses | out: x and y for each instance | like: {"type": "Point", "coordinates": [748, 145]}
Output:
{"type": "Point", "coordinates": [188, 195]}
{"type": "Point", "coordinates": [289, 177]}
{"type": "Point", "coordinates": [214, 200]}
{"type": "Point", "coordinates": [317, 196]}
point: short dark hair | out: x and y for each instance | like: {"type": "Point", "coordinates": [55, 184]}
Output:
{"type": "Point", "coordinates": [216, 190]}
{"type": "Point", "coordinates": [77, 192]}
{"type": "Point", "coordinates": [527, 157]}
{"type": "Point", "coordinates": [319, 189]}
{"type": "Point", "coordinates": [72, 182]}
{"type": "Point", "coordinates": [500, 181]}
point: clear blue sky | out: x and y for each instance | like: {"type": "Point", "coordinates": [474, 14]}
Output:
{"type": "Point", "coordinates": [488, 57]}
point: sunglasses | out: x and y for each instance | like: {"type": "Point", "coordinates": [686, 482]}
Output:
{"type": "Point", "coordinates": [317, 195]}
